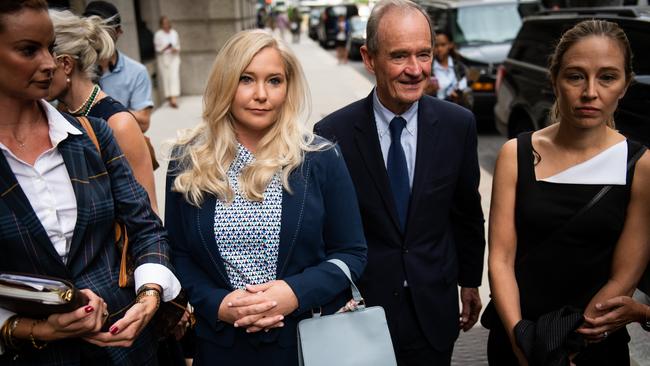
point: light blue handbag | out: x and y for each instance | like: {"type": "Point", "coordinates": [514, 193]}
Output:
{"type": "Point", "coordinates": [356, 338]}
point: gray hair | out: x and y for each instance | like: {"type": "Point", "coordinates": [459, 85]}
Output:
{"type": "Point", "coordinates": [378, 12]}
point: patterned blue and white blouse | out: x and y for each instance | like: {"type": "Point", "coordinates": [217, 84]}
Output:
{"type": "Point", "coordinates": [248, 232]}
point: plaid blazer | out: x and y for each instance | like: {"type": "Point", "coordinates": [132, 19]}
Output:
{"type": "Point", "coordinates": [105, 190]}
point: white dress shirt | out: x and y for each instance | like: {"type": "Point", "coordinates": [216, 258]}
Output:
{"type": "Point", "coordinates": [446, 76]}
{"type": "Point", "coordinates": [409, 138]}
{"type": "Point", "coordinates": [49, 190]}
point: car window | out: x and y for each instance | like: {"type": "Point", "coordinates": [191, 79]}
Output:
{"type": "Point", "coordinates": [497, 23]}
{"type": "Point", "coordinates": [336, 11]}
{"type": "Point", "coordinates": [358, 24]}
{"type": "Point", "coordinates": [637, 34]}
{"type": "Point", "coordinates": [537, 40]}
{"type": "Point", "coordinates": [439, 18]}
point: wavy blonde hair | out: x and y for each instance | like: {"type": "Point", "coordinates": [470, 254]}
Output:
{"type": "Point", "coordinates": [205, 153]}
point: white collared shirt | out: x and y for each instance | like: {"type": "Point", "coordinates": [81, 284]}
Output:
{"type": "Point", "coordinates": [409, 138]}
{"type": "Point", "coordinates": [47, 184]}
{"type": "Point", "coordinates": [49, 191]}
{"type": "Point", "coordinates": [446, 77]}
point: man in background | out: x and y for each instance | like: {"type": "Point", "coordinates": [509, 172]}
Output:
{"type": "Point", "coordinates": [123, 78]}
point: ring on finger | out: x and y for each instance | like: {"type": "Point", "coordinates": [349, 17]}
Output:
{"type": "Point", "coordinates": [605, 334]}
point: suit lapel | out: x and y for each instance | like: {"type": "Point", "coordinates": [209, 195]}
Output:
{"type": "Point", "coordinates": [205, 218]}
{"type": "Point", "coordinates": [14, 197]}
{"type": "Point", "coordinates": [366, 138]}
{"type": "Point", "coordinates": [292, 213]}
{"type": "Point", "coordinates": [427, 141]}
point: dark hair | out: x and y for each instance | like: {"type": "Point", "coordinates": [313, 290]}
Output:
{"type": "Point", "coordinates": [582, 30]}
{"type": "Point", "coordinates": [378, 12]}
{"type": "Point", "coordinates": [452, 52]}
{"type": "Point", "coordinates": [14, 6]}
{"type": "Point", "coordinates": [104, 10]}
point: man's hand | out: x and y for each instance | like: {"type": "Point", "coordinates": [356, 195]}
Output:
{"type": "Point", "coordinates": [471, 302]}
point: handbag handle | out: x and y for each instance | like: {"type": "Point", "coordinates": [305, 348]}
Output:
{"type": "Point", "coordinates": [356, 294]}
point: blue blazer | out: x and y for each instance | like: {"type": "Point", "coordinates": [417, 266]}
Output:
{"type": "Point", "coordinates": [444, 240]}
{"type": "Point", "coordinates": [320, 221]}
{"type": "Point", "coordinates": [105, 190]}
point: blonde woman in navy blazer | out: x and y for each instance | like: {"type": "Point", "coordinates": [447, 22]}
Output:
{"type": "Point", "coordinates": [255, 207]}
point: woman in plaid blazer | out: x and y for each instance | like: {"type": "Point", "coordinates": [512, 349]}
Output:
{"type": "Point", "coordinates": [59, 199]}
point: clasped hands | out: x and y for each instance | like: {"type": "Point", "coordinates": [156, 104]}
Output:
{"type": "Point", "coordinates": [259, 307]}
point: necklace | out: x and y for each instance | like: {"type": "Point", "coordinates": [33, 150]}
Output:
{"type": "Point", "coordinates": [87, 104]}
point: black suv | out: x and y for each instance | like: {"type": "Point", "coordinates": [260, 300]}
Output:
{"type": "Point", "coordinates": [328, 27]}
{"type": "Point", "coordinates": [524, 92]}
{"type": "Point", "coordinates": [483, 31]}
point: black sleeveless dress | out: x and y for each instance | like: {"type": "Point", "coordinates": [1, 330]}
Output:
{"type": "Point", "coordinates": [570, 268]}
{"type": "Point", "coordinates": [106, 107]}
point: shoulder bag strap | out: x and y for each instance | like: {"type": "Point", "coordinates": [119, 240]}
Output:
{"type": "Point", "coordinates": [121, 235]}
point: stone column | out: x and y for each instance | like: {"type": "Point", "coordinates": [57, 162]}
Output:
{"type": "Point", "coordinates": [203, 27]}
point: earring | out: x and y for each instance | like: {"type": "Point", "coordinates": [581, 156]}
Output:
{"type": "Point", "coordinates": [67, 80]}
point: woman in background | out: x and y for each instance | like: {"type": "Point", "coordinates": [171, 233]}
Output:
{"type": "Point", "coordinates": [256, 205]}
{"type": "Point", "coordinates": [449, 76]}
{"type": "Point", "coordinates": [80, 44]}
{"type": "Point", "coordinates": [168, 48]}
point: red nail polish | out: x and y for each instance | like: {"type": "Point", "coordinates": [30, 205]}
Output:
{"type": "Point", "coordinates": [114, 330]}
{"type": "Point", "coordinates": [88, 309]}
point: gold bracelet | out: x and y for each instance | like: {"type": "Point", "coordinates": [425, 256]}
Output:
{"type": "Point", "coordinates": [33, 340]}
{"type": "Point", "coordinates": [4, 331]}
{"type": "Point", "coordinates": [148, 291]}
{"type": "Point", "coordinates": [10, 333]}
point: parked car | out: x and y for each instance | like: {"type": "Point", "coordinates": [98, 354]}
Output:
{"type": "Point", "coordinates": [327, 28]}
{"type": "Point", "coordinates": [356, 36]}
{"type": "Point", "coordinates": [525, 95]}
{"type": "Point", "coordinates": [483, 31]}
{"type": "Point", "coordinates": [314, 22]}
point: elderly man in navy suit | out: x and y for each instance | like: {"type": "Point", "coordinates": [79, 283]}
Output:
{"type": "Point", "coordinates": [414, 164]}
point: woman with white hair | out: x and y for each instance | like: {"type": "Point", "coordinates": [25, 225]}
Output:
{"type": "Point", "coordinates": [255, 206]}
{"type": "Point", "coordinates": [80, 44]}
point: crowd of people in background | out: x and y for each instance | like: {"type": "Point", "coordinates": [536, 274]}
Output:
{"type": "Point", "coordinates": [256, 204]}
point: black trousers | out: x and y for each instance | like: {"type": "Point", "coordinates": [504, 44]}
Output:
{"type": "Point", "coordinates": [412, 347]}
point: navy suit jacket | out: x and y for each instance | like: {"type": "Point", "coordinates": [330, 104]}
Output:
{"type": "Point", "coordinates": [320, 221]}
{"type": "Point", "coordinates": [105, 190]}
{"type": "Point", "coordinates": [444, 240]}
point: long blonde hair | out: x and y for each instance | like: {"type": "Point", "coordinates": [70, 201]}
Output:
{"type": "Point", "coordinates": [205, 153]}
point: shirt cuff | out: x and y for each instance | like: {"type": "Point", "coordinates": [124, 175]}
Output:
{"type": "Point", "coordinates": [160, 275]}
{"type": "Point", "coordinates": [4, 316]}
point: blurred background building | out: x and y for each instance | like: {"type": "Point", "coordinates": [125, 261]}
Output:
{"type": "Point", "coordinates": [203, 27]}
